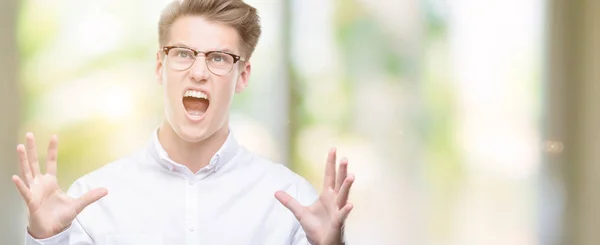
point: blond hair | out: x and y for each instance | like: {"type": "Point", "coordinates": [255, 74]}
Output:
{"type": "Point", "coordinates": [234, 13]}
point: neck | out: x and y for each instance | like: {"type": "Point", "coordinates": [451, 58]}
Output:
{"type": "Point", "coordinates": [193, 155]}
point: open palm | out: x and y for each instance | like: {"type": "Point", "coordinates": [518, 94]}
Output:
{"type": "Point", "coordinates": [323, 221]}
{"type": "Point", "coordinates": [50, 209]}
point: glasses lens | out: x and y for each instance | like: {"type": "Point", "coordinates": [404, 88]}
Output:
{"type": "Point", "coordinates": [219, 63]}
{"type": "Point", "coordinates": [181, 58]}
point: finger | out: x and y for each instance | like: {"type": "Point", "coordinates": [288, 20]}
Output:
{"type": "Point", "coordinates": [290, 203]}
{"type": "Point", "coordinates": [24, 166]}
{"type": "Point", "coordinates": [342, 196]}
{"type": "Point", "coordinates": [344, 212]}
{"type": "Point", "coordinates": [52, 155]}
{"type": "Point", "coordinates": [32, 155]}
{"type": "Point", "coordinates": [341, 174]}
{"type": "Point", "coordinates": [330, 170]}
{"type": "Point", "coordinates": [89, 198]}
{"type": "Point", "coordinates": [23, 190]}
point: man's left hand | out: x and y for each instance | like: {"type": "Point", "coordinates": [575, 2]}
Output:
{"type": "Point", "coordinates": [323, 221]}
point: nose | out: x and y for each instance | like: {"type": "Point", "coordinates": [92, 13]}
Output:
{"type": "Point", "coordinates": [199, 71]}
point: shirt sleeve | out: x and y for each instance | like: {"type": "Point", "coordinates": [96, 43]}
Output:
{"type": "Point", "coordinates": [306, 195]}
{"type": "Point", "coordinates": [73, 235]}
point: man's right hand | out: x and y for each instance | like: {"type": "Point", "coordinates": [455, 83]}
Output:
{"type": "Point", "coordinates": [50, 210]}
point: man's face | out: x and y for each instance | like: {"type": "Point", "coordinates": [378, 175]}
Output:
{"type": "Point", "coordinates": [191, 116]}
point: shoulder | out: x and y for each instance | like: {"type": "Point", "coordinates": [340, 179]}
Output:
{"type": "Point", "coordinates": [269, 169]}
{"type": "Point", "coordinates": [281, 176]}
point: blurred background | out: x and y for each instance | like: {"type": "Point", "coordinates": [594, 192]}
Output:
{"type": "Point", "coordinates": [466, 122]}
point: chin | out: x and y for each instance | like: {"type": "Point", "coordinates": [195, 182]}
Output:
{"type": "Point", "coordinates": [194, 133]}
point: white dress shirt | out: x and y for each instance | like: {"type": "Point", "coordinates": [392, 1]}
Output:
{"type": "Point", "coordinates": [153, 200]}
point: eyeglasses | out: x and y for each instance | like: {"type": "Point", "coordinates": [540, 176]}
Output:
{"type": "Point", "coordinates": [217, 62]}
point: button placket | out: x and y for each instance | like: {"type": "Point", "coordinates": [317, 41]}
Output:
{"type": "Point", "coordinates": [191, 214]}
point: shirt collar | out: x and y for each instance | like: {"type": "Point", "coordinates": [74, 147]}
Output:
{"type": "Point", "coordinates": [224, 155]}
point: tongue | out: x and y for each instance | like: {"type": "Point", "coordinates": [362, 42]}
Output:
{"type": "Point", "coordinates": [195, 106]}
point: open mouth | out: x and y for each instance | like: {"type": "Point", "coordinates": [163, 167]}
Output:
{"type": "Point", "coordinates": [195, 103]}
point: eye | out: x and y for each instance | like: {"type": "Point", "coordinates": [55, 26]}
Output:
{"type": "Point", "coordinates": [183, 54]}
{"type": "Point", "coordinates": [218, 58]}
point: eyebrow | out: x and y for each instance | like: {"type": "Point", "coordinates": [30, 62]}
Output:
{"type": "Point", "coordinates": [179, 44]}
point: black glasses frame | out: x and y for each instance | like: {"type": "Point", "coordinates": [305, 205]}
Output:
{"type": "Point", "coordinates": [236, 58]}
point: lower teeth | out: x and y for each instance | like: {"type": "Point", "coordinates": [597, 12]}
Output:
{"type": "Point", "coordinates": [195, 113]}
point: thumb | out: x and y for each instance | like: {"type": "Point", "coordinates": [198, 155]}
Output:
{"type": "Point", "coordinates": [89, 198]}
{"type": "Point", "coordinates": [290, 203]}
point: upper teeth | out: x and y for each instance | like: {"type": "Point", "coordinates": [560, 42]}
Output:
{"type": "Point", "coordinates": [195, 94]}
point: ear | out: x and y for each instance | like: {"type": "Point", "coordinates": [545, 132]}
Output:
{"type": "Point", "coordinates": [242, 80]}
{"type": "Point", "coordinates": [159, 68]}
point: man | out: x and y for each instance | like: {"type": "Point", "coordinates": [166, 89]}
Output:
{"type": "Point", "coordinates": [193, 184]}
